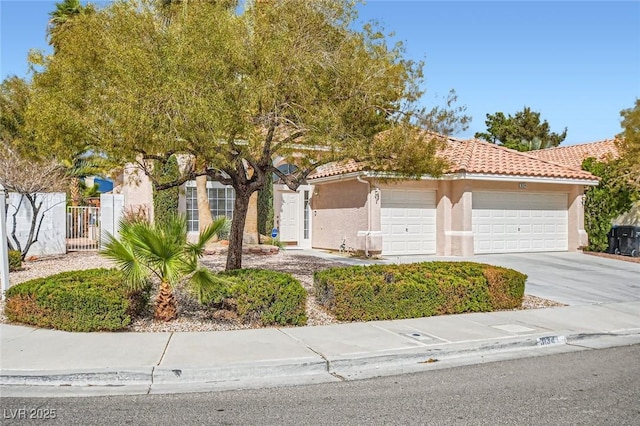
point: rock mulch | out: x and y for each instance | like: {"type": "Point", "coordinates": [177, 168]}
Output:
{"type": "Point", "coordinates": [192, 316]}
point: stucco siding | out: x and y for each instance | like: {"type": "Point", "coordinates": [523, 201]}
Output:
{"type": "Point", "coordinates": [339, 211]}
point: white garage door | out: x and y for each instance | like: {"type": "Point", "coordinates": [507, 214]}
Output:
{"type": "Point", "coordinates": [408, 222]}
{"type": "Point", "coordinates": [507, 222]}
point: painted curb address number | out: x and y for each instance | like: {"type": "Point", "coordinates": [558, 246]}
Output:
{"type": "Point", "coordinates": [551, 340]}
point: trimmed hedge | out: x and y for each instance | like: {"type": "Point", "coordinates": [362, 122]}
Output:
{"type": "Point", "coordinates": [90, 300]}
{"type": "Point", "coordinates": [15, 260]}
{"type": "Point", "coordinates": [382, 292]}
{"type": "Point", "coordinates": [268, 296]}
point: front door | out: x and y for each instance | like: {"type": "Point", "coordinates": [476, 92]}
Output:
{"type": "Point", "coordinates": [289, 217]}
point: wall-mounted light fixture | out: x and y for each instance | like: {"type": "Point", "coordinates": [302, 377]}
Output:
{"type": "Point", "coordinates": [316, 191]}
{"type": "Point", "coordinates": [376, 194]}
{"type": "Point", "coordinates": [522, 185]}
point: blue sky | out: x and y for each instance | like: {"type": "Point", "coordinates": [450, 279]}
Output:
{"type": "Point", "coordinates": [575, 62]}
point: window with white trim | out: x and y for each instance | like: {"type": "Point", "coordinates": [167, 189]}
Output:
{"type": "Point", "coordinates": [221, 199]}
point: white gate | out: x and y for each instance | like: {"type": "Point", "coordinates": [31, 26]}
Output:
{"type": "Point", "coordinates": [83, 228]}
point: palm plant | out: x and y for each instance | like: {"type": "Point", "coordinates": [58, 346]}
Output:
{"type": "Point", "coordinates": [81, 165]}
{"type": "Point", "coordinates": [162, 250]}
{"type": "Point", "coordinates": [65, 12]}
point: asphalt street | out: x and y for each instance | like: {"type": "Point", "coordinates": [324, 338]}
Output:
{"type": "Point", "coordinates": [592, 387]}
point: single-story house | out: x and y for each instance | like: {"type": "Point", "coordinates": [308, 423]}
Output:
{"type": "Point", "coordinates": [491, 200]}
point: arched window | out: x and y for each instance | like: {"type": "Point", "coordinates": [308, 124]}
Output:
{"type": "Point", "coordinates": [287, 169]}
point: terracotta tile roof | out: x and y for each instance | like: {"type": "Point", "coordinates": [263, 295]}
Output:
{"type": "Point", "coordinates": [574, 155]}
{"type": "Point", "coordinates": [338, 168]}
{"type": "Point", "coordinates": [479, 157]}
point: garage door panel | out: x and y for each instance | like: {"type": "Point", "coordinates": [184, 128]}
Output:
{"type": "Point", "coordinates": [397, 229]}
{"type": "Point", "coordinates": [511, 229]}
{"type": "Point", "coordinates": [512, 222]}
{"type": "Point", "coordinates": [408, 221]}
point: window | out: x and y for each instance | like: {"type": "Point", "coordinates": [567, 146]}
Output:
{"type": "Point", "coordinates": [305, 229]}
{"type": "Point", "coordinates": [287, 169]}
{"type": "Point", "coordinates": [221, 199]}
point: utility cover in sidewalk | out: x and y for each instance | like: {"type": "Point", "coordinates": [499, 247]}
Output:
{"type": "Point", "coordinates": [418, 336]}
{"type": "Point", "coordinates": [514, 328]}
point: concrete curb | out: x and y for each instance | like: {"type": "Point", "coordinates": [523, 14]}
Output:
{"type": "Point", "coordinates": [97, 377]}
{"type": "Point", "coordinates": [422, 359]}
{"type": "Point", "coordinates": [167, 379]}
{"type": "Point", "coordinates": [236, 372]}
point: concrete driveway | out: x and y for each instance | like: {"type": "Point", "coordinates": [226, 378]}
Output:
{"type": "Point", "coordinates": [571, 278]}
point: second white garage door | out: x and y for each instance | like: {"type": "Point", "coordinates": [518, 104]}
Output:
{"type": "Point", "coordinates": [509, 222]}
{"type": "Point", "coordinates": [408, 222]}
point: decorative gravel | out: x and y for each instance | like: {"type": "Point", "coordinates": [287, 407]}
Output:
{"type": "Point", "coordinates": [192, 316]}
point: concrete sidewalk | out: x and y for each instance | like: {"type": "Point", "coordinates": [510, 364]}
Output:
{"type": "Point", "coordinates": [37, 362]}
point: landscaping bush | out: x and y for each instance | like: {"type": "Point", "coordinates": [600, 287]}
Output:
{"type": "Point", "coordinates": [15, 260]}
{"type": "Point", "coordinates": [90, 300]}
{"type": "Point", "coordinates": [268, 296]}
{"type": "Point", "coordinates": [382, 292]}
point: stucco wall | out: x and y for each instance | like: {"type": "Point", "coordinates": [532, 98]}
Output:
{"type": "Point", "coordinates": [632, 217]}
{"type": "Point", "coordinates": [51, 238]}
{"type": "Point", "coordinates": [339, 211]}
{"type": "Point", "coordinates": [342, 207]}
{"type": "Point", "coordinates": [138, 191]}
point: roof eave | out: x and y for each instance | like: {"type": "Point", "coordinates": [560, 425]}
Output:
{"type": "Point", "coordinates": [460, 175]}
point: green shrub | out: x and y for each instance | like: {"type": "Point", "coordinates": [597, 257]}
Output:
{"type": "Point", "coordinates": [268, 296]}
{"type": "Point", "coordinates": [90, 300]}
{"type": "Point", "coordinates": [382, 292]}
{"type": "Point", "coordinates": [603, 203]}
{"type": "Point", "coordinates": [15, 260]}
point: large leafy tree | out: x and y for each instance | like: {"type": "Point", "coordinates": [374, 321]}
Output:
{"type": "Point", "coordinates": [523, 131]}
{"type": "Point", "coordinates": [288, 79]}
{"type": "Point", "coordinates": [629, 144]}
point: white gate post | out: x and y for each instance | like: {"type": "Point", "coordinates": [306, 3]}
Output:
{"type": "Point", "coordinates": [4, 249]}
{"type": "Point", "coordinates": [111, 211]}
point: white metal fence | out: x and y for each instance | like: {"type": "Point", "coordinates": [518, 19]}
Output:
{"type": "Point", "coordinates": [83, 228]}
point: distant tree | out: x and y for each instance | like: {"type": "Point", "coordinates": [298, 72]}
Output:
{"type": "Point", "coordinates": [62, 17]}
{"type": "Point", "coordinates": [233, 92]}
{"type": "Point", "coordinates": [523, 131]}
{"type": "Point", "coordinates": [629, 144]}
{"type": "Point", "coordinates": [15, 94]}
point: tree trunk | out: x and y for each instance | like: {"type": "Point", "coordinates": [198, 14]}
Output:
{"type": "Point", "coordinates": [204, 209]}
{"type": "Point", "coordinates": [166, 309]}
{"type": "Point", "coordinates": [74, 191]}
{"type": "Point", "coordinates": [236, 234]}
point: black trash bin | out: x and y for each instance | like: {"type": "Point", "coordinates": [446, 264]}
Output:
{"type": "Point", "coordinates": [613, 240]}
{"type": "Point", "coordinates": [629, 240]}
